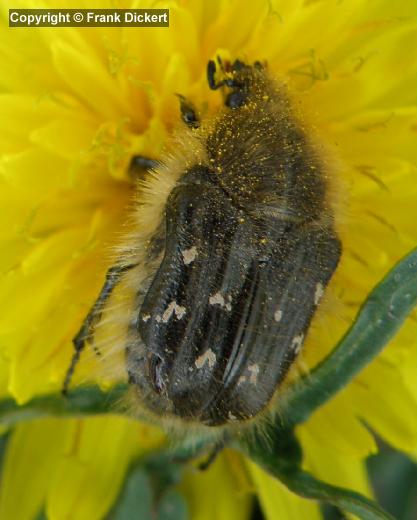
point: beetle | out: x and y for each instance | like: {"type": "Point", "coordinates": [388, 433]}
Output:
{"type": "Point", "coordinates": [226, 282]}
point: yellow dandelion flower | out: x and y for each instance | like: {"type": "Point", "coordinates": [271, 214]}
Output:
{"type": "Point", "coordinates": [77, 104]}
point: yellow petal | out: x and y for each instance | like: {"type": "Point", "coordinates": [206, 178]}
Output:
{"type": "Point", "coordinates": [216, 493]}
{"type": "Point", "coordinates": [390, 407]}
{"type": "Point", "coordinates": [335, 428]}
{"type": "Point", "coordinates": [29, 467]}
{"type": "Point", "coordinates": [326, 461]}
{"type": "Point", "coordinates": [89, 475]}
{"type": "Point", "coordinates": [277, 501]}
{"type": "Point", "coordinates": [80, 75]}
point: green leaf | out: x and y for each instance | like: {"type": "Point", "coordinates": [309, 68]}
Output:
{"type": "Point", "coordinates": [379, 318]}
{"type": "Point", "coordinates": [394, 479]}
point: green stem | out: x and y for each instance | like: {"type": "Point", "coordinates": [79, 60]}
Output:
{"type": "Point", "coordinates": [378, 320]}
{"type": "Point", "coordinates": [88, 400]}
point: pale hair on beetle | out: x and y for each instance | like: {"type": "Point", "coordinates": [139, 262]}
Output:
{"type": "Point", "coordinates": [234, 244]}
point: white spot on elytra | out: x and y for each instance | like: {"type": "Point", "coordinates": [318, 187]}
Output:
{"type": "Point", "coordinates": [208, 357]}
{"type": "Point", "coordinates": [158, 318]}
{"type": "Point", "coordinates": [146, 317]}
{"type": "Point", "coordinates": [254, 371]}
{"type": "Point", "coordinates": [278, 315]}
{"type": "Point", "coordinates": [218, 299]}
{"type": "Point", "coordinates": [231, 416]}
{"type": "Point", "coordinates": [319, 293]}
{"type": "Point", "coordinates": [297, 343]}
{"type": "Point", "coordinates": [189, 255]}
{"type": "Point", "coordinates": [173, 308]}
{"type": "Point", "coordinates": [241, 380]}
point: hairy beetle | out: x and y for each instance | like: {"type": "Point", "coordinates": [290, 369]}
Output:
{"type": "Point", "coordinates": [227, 276]}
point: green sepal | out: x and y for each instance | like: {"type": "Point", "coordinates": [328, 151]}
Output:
{"type": "Point", "coordinates": [307, 486]}
{"type": "Point", "coordinates": [84, 400]}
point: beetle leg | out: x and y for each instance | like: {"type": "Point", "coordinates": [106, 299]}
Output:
{"type": "Point", "coordinates": [237, 97]}
{"type": "Point", "coordinates": [139, 164]}
{"type": "Point", "coordinates": [86, 332]}
{"type": "Point", "coordinates": [188, 112]}
{"type": "Point", "coordinates": [211, 71]}
{"type": "Point", "coordinates": [212, 456]}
